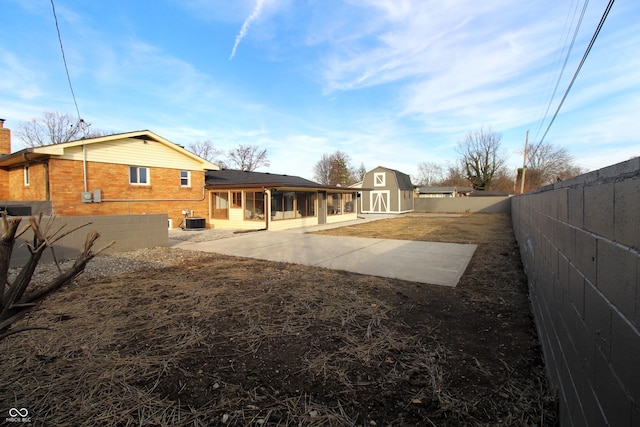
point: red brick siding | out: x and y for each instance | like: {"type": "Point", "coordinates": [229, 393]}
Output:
{"type": "Point", "coordinates": [66, 178]}
{"type": "Point", "coordinates": [36, 188]}
{"type": "Point", "coordinates": [5, 140]}
{"type": "Point", "coordinates": [4, 185]}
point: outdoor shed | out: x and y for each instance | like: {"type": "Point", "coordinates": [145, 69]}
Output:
{"type": "Point", "coordinates": [391, 192]}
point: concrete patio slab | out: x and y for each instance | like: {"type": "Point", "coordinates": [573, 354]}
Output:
{"type": "Point", "coordinates": [424, 262]}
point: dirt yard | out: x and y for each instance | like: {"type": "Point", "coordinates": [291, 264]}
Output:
{"type": "Point", "coordinates": [232, 341]}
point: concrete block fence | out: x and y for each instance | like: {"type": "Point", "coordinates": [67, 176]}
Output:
{"type": "Point", "coordinates": [580, 242]}
{"type": "Point", "coordinates": [463, 204]}
{"type": "Point", "coordinates": [130, 232]}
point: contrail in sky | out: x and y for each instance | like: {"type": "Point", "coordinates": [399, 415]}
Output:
{"type": "Point", "coordinates": [245, 26]}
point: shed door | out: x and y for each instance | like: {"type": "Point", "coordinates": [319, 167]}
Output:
{"type": "Point", "coordinates": [380, 201]}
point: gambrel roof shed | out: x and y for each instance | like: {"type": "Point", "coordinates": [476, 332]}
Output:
{"type": "Point", "coordinates": [391, 191]}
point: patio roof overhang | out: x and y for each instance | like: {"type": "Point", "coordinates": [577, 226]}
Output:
{"type": "Point", "coordinates": [281, 187]}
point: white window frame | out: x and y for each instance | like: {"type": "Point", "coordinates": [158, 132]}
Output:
{"type": "Point", "coordinates": [187, 178]}
{"type": "Point", "coordinates": [137, 181]}
{"type": "Point", "coordinates": [27, 178]}
{"type": "Point", "coordinates": [379, 179]}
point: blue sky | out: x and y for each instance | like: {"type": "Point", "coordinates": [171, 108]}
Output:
{"type": "Point", "coordinates": [389, 82]}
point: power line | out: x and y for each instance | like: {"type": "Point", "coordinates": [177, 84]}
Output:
{"type": "Point", "coordinates": [64, 59]}
{"type": "Point", "coordinates": [584, 58]}
{"type": "Point", "coordinates": [564, 65]}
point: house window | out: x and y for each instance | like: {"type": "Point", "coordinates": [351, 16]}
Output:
{"type": "Point", "coordinates": [185, 178]}
{"type": "Point", "coordinates": [348, 202]}
{"type": "Point", "coordinates": [334, 204]}
{"type": "Point", "coordinates": [305, 204]}
{"type": "Point", "coordinates": [138, 175]}
{"type": "Point", "coordinates": [236, 199]}
{"type": "Point", "coordinates": [220, 205]}
{"type": "Point", "coordinates": [379, 179]}
{"type": "Point", "coordinates": [254, 206]}
{"type": "Point", "coordinates": [291, 204]}
{"type": "Point", "coordinates": [26, 175]}
{"type": "Point", "coordinates": [338, 203]}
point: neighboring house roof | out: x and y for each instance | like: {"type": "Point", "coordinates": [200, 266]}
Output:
{"type": "Point", "coordinates": [233, 178]}
{"type": "Point", "coordinates": [441, 190]}
{"type": "Point", "coordinates": [57, 150]}
{"type": "Point", "coordinates": [404, 180]}
{"type": "Point", "coordinates": [491, 193]}
{"type": "Point", "coordinates": [436, 190]}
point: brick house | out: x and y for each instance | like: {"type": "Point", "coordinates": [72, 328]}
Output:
{"type": "Point", "coordinates": [143, 173]}
{"type": "Point", "coordinates": [129, 173]}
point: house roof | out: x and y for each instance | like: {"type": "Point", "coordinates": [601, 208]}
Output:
{"type": "Point", "coordinates": [491, 193]}
{"type": "Point", "coordinates": [233, 178]}
{"type": "Point", "coordinates": [53, 150]}
{"type": "Point", "coordinates": [436, 190]}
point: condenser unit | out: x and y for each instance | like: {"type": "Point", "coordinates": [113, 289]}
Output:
{"type": "Point", "coordinates": [194, 223]}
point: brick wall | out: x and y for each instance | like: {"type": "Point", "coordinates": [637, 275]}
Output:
{"type": "Point", "coordinates": [130, 232]}
{"type": "Point", "coordinates": [36, 190]}
{"type": "Point", "coordinates": [580, 243]}
{"type": "Point", "coordinates": [5, 139]}
{"type": "Point", "coordinates": [5, 148]}
{"type": "Point", "coordinates": [164, 195]}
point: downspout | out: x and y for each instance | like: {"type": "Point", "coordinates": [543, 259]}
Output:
{"type": "Point", "coordinates": [84, 167]}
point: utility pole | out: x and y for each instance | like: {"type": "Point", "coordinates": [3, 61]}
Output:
{"type": "Point", "coordinates": [524, 162]}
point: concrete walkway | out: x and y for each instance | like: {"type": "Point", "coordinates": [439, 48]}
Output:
{"type": "Point", "coordinates": [424, 262]}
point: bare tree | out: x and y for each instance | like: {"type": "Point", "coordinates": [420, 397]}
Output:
{"type": "Point", "coordinates": [482, 157]}
{"type": "Point", "coordinates": [547, 163]}
{"type": "Point", "coordinates": [335, 169]}
{"type": "Point", "coordinates": [54, 128]}
{"type": "Point", "coordinates": [360, 172]}
{"type": "Point", "coordinates": [429, 173]}
{"type": "Point", "coordinates": [322, 170]}
{"type": "Point", "coordinates": [14, 298]}
{"type": "Point", "coordinates": [455, 176]}
{"type": "Point", "coordinates": [207, 151]}
{"type": "Point", "coordinates": [248, 157]}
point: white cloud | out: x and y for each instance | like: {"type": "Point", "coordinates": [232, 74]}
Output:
{"type": "Point", "coordinates": [16, 78]}
{"type": "Point", "coordinates": [255, 14]}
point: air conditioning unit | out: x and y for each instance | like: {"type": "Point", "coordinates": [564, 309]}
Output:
{"type": "Point", "coordinates": [194, 223]}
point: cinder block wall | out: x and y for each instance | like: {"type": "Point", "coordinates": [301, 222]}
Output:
{"type": "Point", "coordinates": [463, 204]}
{"type": "Point", "coordinates": [130, 232]}
{"type": "Point", "coordinates": [580, 242]}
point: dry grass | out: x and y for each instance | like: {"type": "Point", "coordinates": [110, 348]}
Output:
{"type": "Point", "coordinates": [232, 341]}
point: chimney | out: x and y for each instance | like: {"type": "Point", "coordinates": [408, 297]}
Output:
{"type": "Point", "coordinates": [5, 139]}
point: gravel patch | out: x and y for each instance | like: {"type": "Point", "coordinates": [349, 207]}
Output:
{"type": "Point", "coordinates": [127, 262]}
